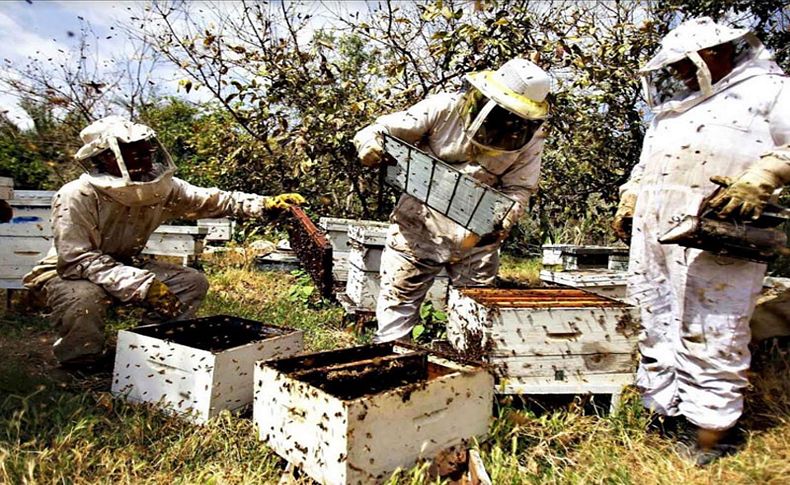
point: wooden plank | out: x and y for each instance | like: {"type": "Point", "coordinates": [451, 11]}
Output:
{"type": "Point", "coordinates": [369, 233]}
{"type": "Point", "coordinates": [367, 258]}
{"type": "Point", "coordinates": [560, 367]}
{"type": "Point", "coordinates": [591, 383]}
{"type": "Point", "coordinates": [32, 198]}
{"type": "Point", "coordinates": [218, 229]}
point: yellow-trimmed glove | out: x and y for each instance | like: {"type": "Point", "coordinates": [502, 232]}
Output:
{"type": "Point", "coordinates": [282, 202]}
{"type": "Point", "coordinates": [163, 301]}
{"type": "Point", "coordinates": [746, 196]}
{"type": "Point", "coordinates": [624, 216]}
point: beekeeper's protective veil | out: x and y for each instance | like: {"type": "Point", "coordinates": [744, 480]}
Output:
{"type": "Point", "coordinates": [125, 161]}
{"type": "Point", "coordinates": [678, 78]}
{"type": "Point", "coordinates": [506, 107]}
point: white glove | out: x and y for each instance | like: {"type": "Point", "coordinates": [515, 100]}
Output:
{"type": "Point", "coordinates": [370, 146]}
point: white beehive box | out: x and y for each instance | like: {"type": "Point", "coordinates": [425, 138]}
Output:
{"type": "Point", "coordinates": [546, 341]}
{"type": "Point", "coordinates": [356, 415]}
{"type": "Point", "coordinates": [364, 266]}
{"type": "Point", "coordinates": [197, 367]}
{"type": "Point", "coordinates": [568, 257]}
{"type": "Point", "coordinates": [603, 282]}
{"type": "Point", "coordinates": [22, 246]}
{"type": "Point", "coordinates": [219, 230]}
{"type": "Point", "coordinates": [336, 231]}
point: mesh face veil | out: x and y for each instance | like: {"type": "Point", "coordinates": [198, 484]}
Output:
{"type": "Point", "coordinates": [678, 78]}
{"type": "Point", "coordinates": [493, 127]}
{"type": "Point", "coordinates": [126, 161]}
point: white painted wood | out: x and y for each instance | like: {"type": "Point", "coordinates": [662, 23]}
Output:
{"type": "Point", "coordinates": [552, 349]}
{"type": "Point", "coordinates": [32, 198]}
{"type": "Point", "coordinates": [588, 384]}
{"type": "Point", "coordinates": [569, 257]}
{"type": "Point", "coordinates": [363, 288]}
{"type": "Point", "coordinates": [364, 440]}
{"type": "Point", "coordinates": [369, 233]}
{"type": "Point", "coordinates": [189, 381]}
{"type": "Point", "coordinates": [365, 257]}
{"type": "Point", "coordinates": [336, 230]}
{"type": "Point", "coordinates": [218, 229]}
{"type": "Point", "coordinates": [603, 282]}
{"type": "Point", "coordinates": [562, 367]}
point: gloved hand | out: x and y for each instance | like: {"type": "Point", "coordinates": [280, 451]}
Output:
{"type": "Point", "coordinates": [746, 196]}
{"type": "Point", "coordinates": [475, 241]}
{"type": "Point", "coordinates": [624, 216]}
{"type": "Point", "coordinates": [281, 202]}
{"type": "Point", "coordinates": [163, 301]}
{"type": "Point", "coordinates": [372, 151]}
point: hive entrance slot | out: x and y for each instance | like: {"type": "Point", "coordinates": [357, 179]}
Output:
{"type": "Point", "coordinates": [213, 334]}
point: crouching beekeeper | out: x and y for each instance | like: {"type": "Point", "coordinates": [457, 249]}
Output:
{"type": "Point", "coordinates": [492, 132]}
{"type": "Point", "coordinates": [721, 109]}
{"type": "Point", "coordinates": [102, 221]}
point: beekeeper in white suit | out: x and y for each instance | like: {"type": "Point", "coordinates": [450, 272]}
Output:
{"type": "Point", "coordinates": [722, 110]}
{"type": "Point", "coordinates": [492, 132]}
{"type": "Point", "coordinates": [102, 221]}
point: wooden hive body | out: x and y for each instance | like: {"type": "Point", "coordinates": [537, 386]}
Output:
{"type": "Point", "coordinates": [197, 367]}
{"type": "Point", "coordinates": [356, 415]}
{"type": "Point", "coordinates": [364, 269]}
{"type": "Point", "coordinates": [546, 341]}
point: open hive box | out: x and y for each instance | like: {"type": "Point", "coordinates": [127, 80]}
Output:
{"type": "Point", "coordinates": [197, 367]}
{"type": "Point", "coordinates": [546, 341]}
{"type": "Point", "coordinates": [356, 415]}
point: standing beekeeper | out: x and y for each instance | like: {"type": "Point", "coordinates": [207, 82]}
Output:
{"type": "Point", "coordinates": [722, 111]}
{"type": "Point", "coordinates": [493, 132]}
{"type": "Point", "coordinates": [102, 221]}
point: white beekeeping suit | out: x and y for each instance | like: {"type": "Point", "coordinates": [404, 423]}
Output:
{"type": "Point", "coordinates": [696, 306]}
{"type": "Point", "coordinates": [462, 130]}
{"type": "Point", "coordinates": [102, 221]}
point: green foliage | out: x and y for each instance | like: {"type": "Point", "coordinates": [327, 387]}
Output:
{"type": "Point", "coordinates": [38, 157]}
{"type": "Point", "coordinates": [303, 289]}
{"type": "Point", "coordinates": [432, 324]}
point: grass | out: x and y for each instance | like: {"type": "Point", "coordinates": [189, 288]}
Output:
{"type": "Point", "coordinates": [58, 430]}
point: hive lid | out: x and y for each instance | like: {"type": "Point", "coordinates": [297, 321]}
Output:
{"type": "Point", "coordinates": [539, 298]}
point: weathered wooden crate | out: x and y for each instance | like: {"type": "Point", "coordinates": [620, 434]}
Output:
{"type": "Point", "coordinates": [463, 199]}
{"type": "Point", "coordinates": [6, 188]}
{"type": "Point", "coordinates": [546, 341]}
{"type": "Point", "coordinates": [356, 415]}
{"type": "Point", "coordinates": [568, 257]}
{"type": "Point", "coordinates": [603, 282]}
{"type": "Point", "coordinates": [197, 367]}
